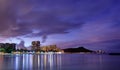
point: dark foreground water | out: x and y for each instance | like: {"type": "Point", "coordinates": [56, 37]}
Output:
{"type": "Point", "coordinates": [59, 62]}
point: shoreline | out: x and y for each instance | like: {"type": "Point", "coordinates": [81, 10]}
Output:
{"type": "Point", "coordinates": [37, 53]}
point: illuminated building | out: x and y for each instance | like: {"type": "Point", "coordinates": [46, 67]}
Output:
{"type": "Point", "coordinates": [36, 45]}
{"type": "Point", "coordinates": [49, 48]}
{"type": "Point", "coordinates": [9, 47]}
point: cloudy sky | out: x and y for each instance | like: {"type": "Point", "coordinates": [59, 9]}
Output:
{"type": "Point", "coordinates": [94, 24]}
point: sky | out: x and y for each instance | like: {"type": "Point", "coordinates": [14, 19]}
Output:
{"type": "Point", "coordinates": [94, 24]}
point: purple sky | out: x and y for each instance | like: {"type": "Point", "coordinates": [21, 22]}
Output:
{"type": "Point", "coordinates": [94, 24]}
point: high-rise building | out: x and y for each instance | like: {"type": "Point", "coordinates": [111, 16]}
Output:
{"type": "Point", "coordinates": [52, 48]}
{"type": "Point", "coordinates": [9, 47]}
{"type": "Point", "coordinates": [36, 45]}
{"type": "Point", "coordinates": [2, 45]}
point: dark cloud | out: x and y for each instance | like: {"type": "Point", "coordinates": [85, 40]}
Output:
{"type": "Point", "coordinates": [22, 19]}
{"type": "Point", "coordinates": [95, 20]}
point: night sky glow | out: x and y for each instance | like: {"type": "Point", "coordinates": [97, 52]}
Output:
{"type": "Point", "coordinates": [94, 24]}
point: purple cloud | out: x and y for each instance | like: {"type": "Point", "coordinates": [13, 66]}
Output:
{"type": "Point", "coordinates": [87, 20]}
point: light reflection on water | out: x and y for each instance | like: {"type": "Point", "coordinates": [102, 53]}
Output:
{"type": "Point", "coordinates": [37, 62]}
{"type": "Point", "coordinates": [59, 62]}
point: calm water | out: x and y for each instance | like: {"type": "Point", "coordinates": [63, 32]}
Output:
{"type": "Point", "coordinates": [59, 62]}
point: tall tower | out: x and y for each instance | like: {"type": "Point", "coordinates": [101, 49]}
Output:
{"type": "Point", "coordinates": [36, 45]}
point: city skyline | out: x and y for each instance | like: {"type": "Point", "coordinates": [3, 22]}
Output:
{"type": "Point", "coordinates": [66, 23]}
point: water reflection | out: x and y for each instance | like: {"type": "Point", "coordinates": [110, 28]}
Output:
{"type": "Point", "coordinates": [38, 62]}
{"type": "Point", "coordinates": [1, 62]}
{"type": "Point", "coordinates": [59, 62]}
{"type": "Point", "coordinates": [50, 61]}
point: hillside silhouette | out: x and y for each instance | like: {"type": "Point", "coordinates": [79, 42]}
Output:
{"type": "Point", "coordinates": [75, 50]}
